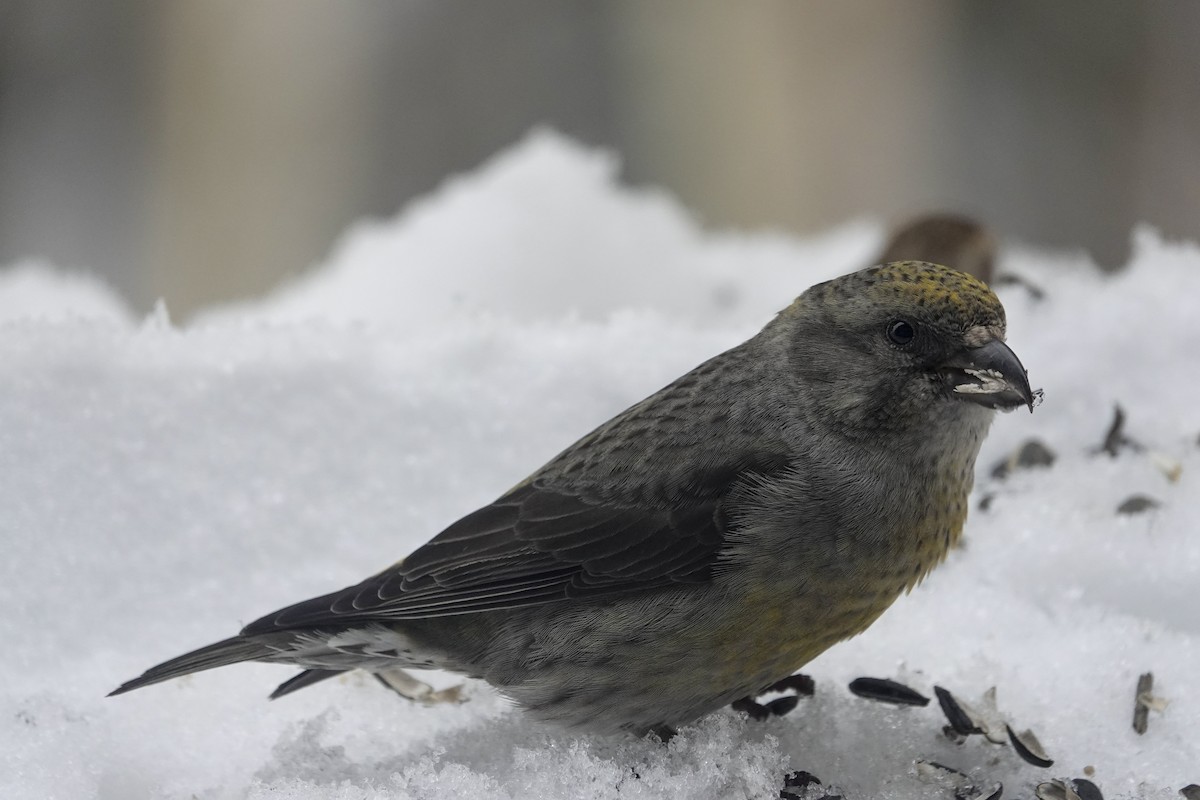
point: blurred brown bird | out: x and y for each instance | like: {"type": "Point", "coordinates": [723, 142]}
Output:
{"type": "Point", "coordinates": [948, 239]}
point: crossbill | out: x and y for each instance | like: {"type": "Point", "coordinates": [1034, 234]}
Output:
{"type": "Point", "coordinates": [709, 540]}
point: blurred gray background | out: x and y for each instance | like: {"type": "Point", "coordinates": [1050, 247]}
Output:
{"type": "Point", "coordinates": [203, 150]}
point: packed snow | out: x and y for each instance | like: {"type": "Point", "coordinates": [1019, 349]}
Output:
{"type": "Point", "coordinates": [163, 485]}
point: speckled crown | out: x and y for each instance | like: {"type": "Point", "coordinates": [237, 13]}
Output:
{"type": "Point", "coordinates": [947, 296]}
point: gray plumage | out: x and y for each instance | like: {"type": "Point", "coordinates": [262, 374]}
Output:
{"type": "Point", "coordinates": [707, 541]}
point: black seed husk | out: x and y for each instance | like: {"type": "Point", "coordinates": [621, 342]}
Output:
{"type": "Point", "coordinates": [957, 718]}
{"type": "Point", "coordinates": [1029, 748]}
{"type": "Point", "coordinates": [1137, 504]}
{"type": "Point", "coordinates": [1141, 712]}
{"type": "Point", "coordinates": [1086, 789]}
{"type": "Point", "coordinates": [887, 691]}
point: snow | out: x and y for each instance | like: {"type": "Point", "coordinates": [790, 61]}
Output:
{"type": "Point", "coordinates": [542, 230]}
{"type": "Point", "coordinates": [164, 485]}
{"type": "Point", "coordinates": [34, 289]}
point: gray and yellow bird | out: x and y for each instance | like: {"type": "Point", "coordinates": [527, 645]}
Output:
{"type": "Point", "coordinates": [706, 542]}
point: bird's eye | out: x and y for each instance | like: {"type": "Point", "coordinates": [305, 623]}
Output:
{"type": "Point", "coordinates": [901, 332]}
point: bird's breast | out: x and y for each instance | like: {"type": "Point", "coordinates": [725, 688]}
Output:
{"type": "Point", "coordinates": [837, 563]}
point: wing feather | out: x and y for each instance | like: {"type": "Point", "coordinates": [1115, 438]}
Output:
{"type": "Point", "coordinates": [538, 544]}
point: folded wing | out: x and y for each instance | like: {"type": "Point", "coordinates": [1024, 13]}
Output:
{"type": "Point", "coordinates": [538, 544]}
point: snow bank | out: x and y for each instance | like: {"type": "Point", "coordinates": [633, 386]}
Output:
{"type": "Point", "coordinates": [163, 486]}
{"type": "Point", "coordinates": [544, 230]}
{"type": "Point", "coordinates": [34, 290]}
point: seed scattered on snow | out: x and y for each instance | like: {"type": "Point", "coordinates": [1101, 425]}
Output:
{"type": "Point", "coordinates": [1029, 748]}
{"type": "Point", "coordinates": [988, 717]}
{"type": "Point", "coordinates": [959, 720]}
{"type": "Point", "coordinates": [953, 735]}
{"type": "Point", "coordinates": [1144, 701]}
{"type": "Point", "coordinates": [800, 780]}
{"type": "Point", "coordinates": [1138, 504]}
{"type": "Point", "coordinates": [805, 786]}
{"type": "Point", "coordinates": [966, 719]}
{"type": "Point", "coordinates": [1156, 703]}
{"type": "Point", "coordinates": [1170, 467]}
{"type": "Point", "coordinates": [993, 792]}
{"type": "Point", "coordinates": [1055, 790]}
{"type": "Point", "coordinates": [1077, 789]}
{"type": "Point", "coordinates": [961, 783]}
{"type": "Point", "coordinates": [1141, 711]}
{"type": "Point", "coordinates": [1086, 789]}
{"type": "Point", "coordinates": [933, 771]}
{"type": "Point", "coordinates": [887, 691]}
{"type": "Point", "coordinates": [1115, 439]}
{"type": "Point", "coordinates": [1033, 453]}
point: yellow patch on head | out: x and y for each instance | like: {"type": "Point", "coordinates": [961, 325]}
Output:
{"type": "Point", "coordinates": [945, 293]}
{"type": "Point", "coordinates": [940, 296]}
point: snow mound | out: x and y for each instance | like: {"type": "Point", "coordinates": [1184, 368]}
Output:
{"type": "Point", "coordinates": [163, 486]}
{"type": "Point", "coordinates": [543, 230]}
{"type": "Point", "coordinates": [34, 290]}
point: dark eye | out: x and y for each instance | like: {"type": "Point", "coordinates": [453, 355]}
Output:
{"type": "Point", "coordinates": [901, 332]}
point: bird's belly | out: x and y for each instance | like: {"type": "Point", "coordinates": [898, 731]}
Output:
{"type": "Point", "coordinates": [687, 664]}
{"type": "Point", "coordinates": [771, 636]}
{"type": "Point", "coordinates": [776, 623]}
{"type": "Point", "coordinates": [635, 662]}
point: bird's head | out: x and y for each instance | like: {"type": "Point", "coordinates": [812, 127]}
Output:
{"type": "Point", "coordinates": [900, 345]}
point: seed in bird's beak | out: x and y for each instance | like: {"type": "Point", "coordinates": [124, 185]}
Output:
{"type": "Point", "coordinates": [990, 375]}
{"type": "Point", "coordinates": [990, 382]}
{"type": "Point", "coordinates": [887, 691]}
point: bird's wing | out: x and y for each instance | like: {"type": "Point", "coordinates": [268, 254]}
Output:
{"type": "Point", "coordinates": [540, 544]}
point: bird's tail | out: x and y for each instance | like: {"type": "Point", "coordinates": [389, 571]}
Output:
{"type": "Point", "coordinates": [223, 653]}
{"type": "Point", "coordinates": [306, 678]}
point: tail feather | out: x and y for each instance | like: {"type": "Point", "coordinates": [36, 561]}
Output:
{"type": "Point", "coordinates": [306, 678]}
{"type": "Point", "coordinates": [223, 653]}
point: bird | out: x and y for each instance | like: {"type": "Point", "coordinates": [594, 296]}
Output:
{"type": "Point", "coordinates": [952, 240]}
{"type": "Point", "coordinates": [708, 541]}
